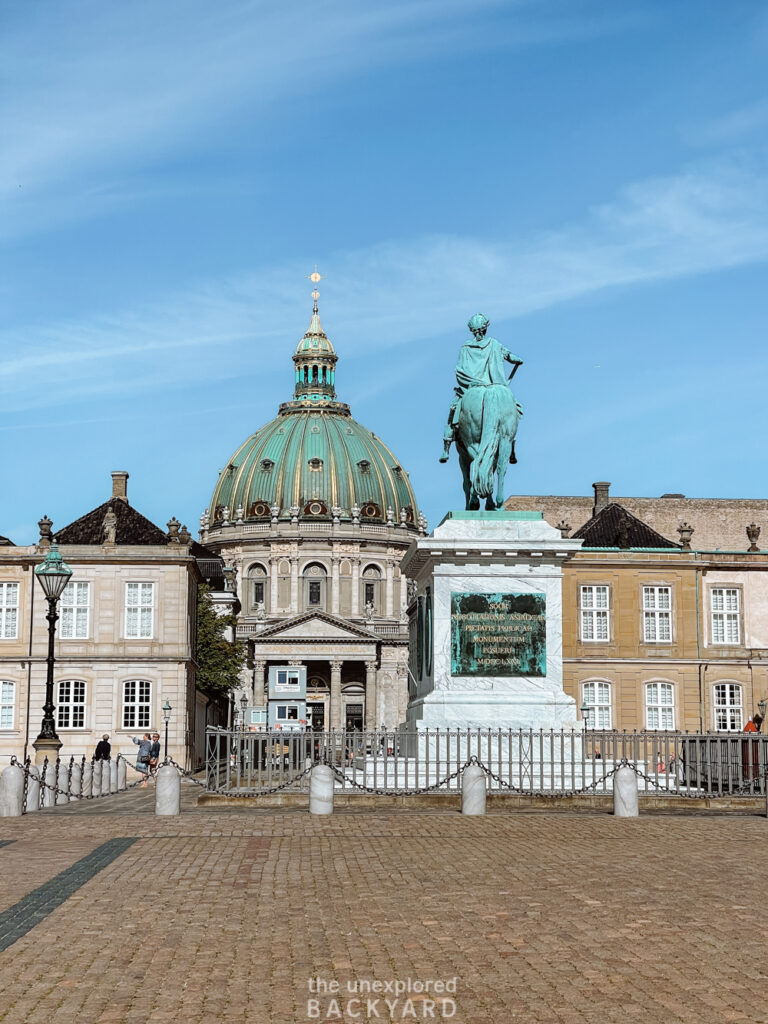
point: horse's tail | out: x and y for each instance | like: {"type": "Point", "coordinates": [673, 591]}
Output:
{"type": "Point", "coordinates": [485, 463]}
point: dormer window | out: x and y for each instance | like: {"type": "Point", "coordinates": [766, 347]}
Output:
{"type": "Point", "coordinates": [364, 466]}
{"type": "Point", "coordinates": [267, 465]}
{"type": "Point", "coordinates": [315, 463]}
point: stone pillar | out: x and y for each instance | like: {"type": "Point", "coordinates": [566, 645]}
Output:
{"type": "Point", "coordinates": [75, 781]}
{"type": "Point", "coordinates": [390, 598]}
{"type": "Point", "coordinates": [167, 790]}
{"type": "Point", "coordinates": [335, 722]}
{"type": "Point", "coordinates": [274, 574]}
{"type": "Point", "coordinates": [355, 586]}
{"type": "Point", "coordinates": [122, 773]}
{"type": "Point", "coordinates": [370, 696]}
{"type": "Point", "coordinates": [112, 776]}
{"type": "Point", "coordinates": [473, 790]}
{"type": "Point", "coordinates": [86, 784]}
{"type": "Point", "coordinates": [12, 791]}
{"type": "Point", "coordinates": [259, 672]}
{"type": "Point", "coordinates": [295, 586]}
{"type": "Point", "coordinates": [62, 783]}
{"type": "Point", "coordinates": [321, 780]}
{"type": "Point", "coordinates": [49, 778]}
{"type": "Point", "coordinates": [335, 597]}
{"type": "Point", "coordinates": [96, 778]}
{"type": "Point", "coordinates": [625, 795]}
{"type": "Point", "coordinates": [33, 789]}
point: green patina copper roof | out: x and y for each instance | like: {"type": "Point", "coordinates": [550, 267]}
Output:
{"type": "Point", "coordinates": [314, 455]}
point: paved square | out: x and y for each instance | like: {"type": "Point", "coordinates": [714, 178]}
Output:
{"type": "Point", "coordinates": [226, 915]}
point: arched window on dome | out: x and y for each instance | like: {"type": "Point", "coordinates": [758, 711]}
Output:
{"type": "Point", "coordinates": [315, 586]}
{"type": "Point", "coordinates": [370, 596]}
{"type": "Point", "coordinates": [258, 591]}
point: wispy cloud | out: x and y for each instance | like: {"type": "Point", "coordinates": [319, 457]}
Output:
{"type": "Point", "coordinates": [103, 92]}
{"type": "Point", "coordinates": [706, 218]}
{"type": "Point", "coordinates": [732, 128]}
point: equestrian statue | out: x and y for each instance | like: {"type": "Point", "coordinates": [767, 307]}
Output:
{"type": "Point", "coordinates": [483, 416]}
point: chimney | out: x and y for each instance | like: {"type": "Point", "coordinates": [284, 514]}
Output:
{"type": "Point", "coordinates": [120, 485]}
{"type": "Point", "coordinates": [601, 489]}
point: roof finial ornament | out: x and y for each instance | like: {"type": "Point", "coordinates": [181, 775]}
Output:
{"type": "Point", "coordinates": [315, 278]}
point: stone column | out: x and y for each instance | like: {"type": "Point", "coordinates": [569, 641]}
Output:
{"type": "Point", "coordinates": [335, 695]}
{"type": "Point", "coordinates": [355, 586]}
{"type": "Point", "coordinates": [274, 570]}
{"type": "Point", "coordinates": [370, 696]}
{"type": "Point", "coordinates": [335, 585]}
{"type": "Point", "coordinates": [390, 600]}
{"type": "Point", "coordinates": [295, 585]}
{"type": "Point", "coordinates": [259, 671]}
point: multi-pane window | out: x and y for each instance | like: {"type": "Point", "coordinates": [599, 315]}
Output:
{"type": "Point", "coordinates": [137, 703]}
{"type": "Point", "coordinates": [728, 707]}
{"type": "Point", "coordinates": [70, 707]}
{"type": "Point", "coordinates": [659, 706]}
{"type": "Point", "coordinates": [139, 610]}
{"type": "Point", "coordinates": [725, 616]}
{"type": "Point", "coordinates": [597, 705]}
{"type": "Point", "coordinates": [595, 624]}
{"type": "Point", "coordinates": [657, 615]}
{"type": "Point", "coordinates": [74, 611]}
{"type": "Point", "coordinates": [9, 611]}
{"type": "Point", "coordinates": [7, 698]}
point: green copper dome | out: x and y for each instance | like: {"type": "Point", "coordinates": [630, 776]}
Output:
{"type": "Point", "coordinates": [314, 458]}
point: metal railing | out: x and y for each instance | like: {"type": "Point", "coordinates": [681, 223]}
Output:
{"type": "Point", "coordinates": [525, 761]}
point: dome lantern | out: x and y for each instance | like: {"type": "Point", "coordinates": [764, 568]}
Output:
{"type": "Point", "coordinates": [315, 359]}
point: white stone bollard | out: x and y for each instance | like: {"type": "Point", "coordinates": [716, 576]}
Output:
{"type": "Point", "coordinates": [473, 790]}
{"type": "Point", "coordinates": [167, 790]}
{"type": "Point", "coordinates": [321, 780]}
{"type": "Point", "coordinates": [62, 782]}
{"type": "Point", "coordinates": [49, 779]}
{"type": "Point", "coordinates": [33, 789]}
{"type": "Point", "coordinates": [112, 788]}
{"type": "Point", "coordinates": [121, 773]}
{"type": "Point", "coordinates": [96, 782]}
{"type": "Point", "coordinates": [12, 791]}
{"type": "Point", "coordinates": [625, 796]}
{"type": "Point", "coordinates": [75, 781]}
{"type": "Point", "coordinates": [86, 783]}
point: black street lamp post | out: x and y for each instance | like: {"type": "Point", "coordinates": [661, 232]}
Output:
{"type": "Point", "coordinates": [54, 574]}
{"type": "Point", "coordinates": [167, 709]}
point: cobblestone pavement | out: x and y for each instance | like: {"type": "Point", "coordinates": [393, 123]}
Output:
{"type": "Point", "coordinates": [224, 915]}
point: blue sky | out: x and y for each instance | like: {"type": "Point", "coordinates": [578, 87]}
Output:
{"type": "Point", "coordinates": [591, 175]}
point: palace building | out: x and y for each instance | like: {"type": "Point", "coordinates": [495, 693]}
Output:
{"type": "Point", "coordinates": [665, 609]}
{"type": "Point", "coordinates": [315, 512]}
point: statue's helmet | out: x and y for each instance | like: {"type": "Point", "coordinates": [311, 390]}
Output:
{"type": "Point", "coordinates": [478, 323]}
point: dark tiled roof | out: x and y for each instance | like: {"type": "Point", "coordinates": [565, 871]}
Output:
{"type": "Point", "coordinates": [131, 528]}
{"type": "Point", "coordinates": [4, 542]}
{"type": "Point", "coordinates": [615, 527]}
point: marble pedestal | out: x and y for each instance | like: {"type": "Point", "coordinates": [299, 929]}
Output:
{"type": "Point", "coordinates": [486, 624]}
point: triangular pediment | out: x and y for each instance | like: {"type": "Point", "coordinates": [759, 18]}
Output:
{"type": "Point", "coordinates": [315, 625]}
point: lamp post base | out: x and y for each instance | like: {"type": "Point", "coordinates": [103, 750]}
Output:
{"type": "Point", "coordinates": [46, 748]}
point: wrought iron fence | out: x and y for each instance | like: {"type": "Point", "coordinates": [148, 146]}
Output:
{"type": "Point", "coordinates": [549, 762]}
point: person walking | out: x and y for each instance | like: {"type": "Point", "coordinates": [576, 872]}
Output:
{"type": "Point", "coordinates": [143, 758]}
{"type": "Point", "coordinates": [154, 754]}
{"type": "Point", "coordinates": [103, 749]}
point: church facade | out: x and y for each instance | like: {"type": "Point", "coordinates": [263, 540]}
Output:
{"type": "Point", "coordinates": [314, 513]}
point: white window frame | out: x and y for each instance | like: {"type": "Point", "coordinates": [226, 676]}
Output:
{"type": "Point", "coordinates": [75, 614]}
{"type": "Point", "coordinates": [597, 695]}
{"type": "Point", "coordinates": [71, 706]}
{"type": "Point", "coordinates": [595, 616]}
{"type": "Point", "coordinates": [722, 616]}
{"type": "Point", "coordinates": [145, 623]}
{"type": "Point", "coordinates": [139, 702]}
{"type": "Point", "coordinates": [727, 714]}
{"type": "Point", "coordinates": [660, 705]}
{"type": "Point", "coordinates": [655, 614]}
{"type": "Point", "coordinates": [9, 608]}
{"type": "Point", "coordinates": [7, 704]}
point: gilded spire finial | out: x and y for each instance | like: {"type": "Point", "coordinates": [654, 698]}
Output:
{"type": "Point", "coordinates": [315, 278]}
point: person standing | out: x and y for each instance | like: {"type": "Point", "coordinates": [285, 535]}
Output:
{"type": "Point", "coordinates": [154, 754]}
{"type": "Point", "coordinates": [142, 760]}
{"type": "Point", "coordinates": [103, 749]}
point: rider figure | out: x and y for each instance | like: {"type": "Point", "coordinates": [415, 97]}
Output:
{"type": "Point", "coordinates": [481, 363]}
